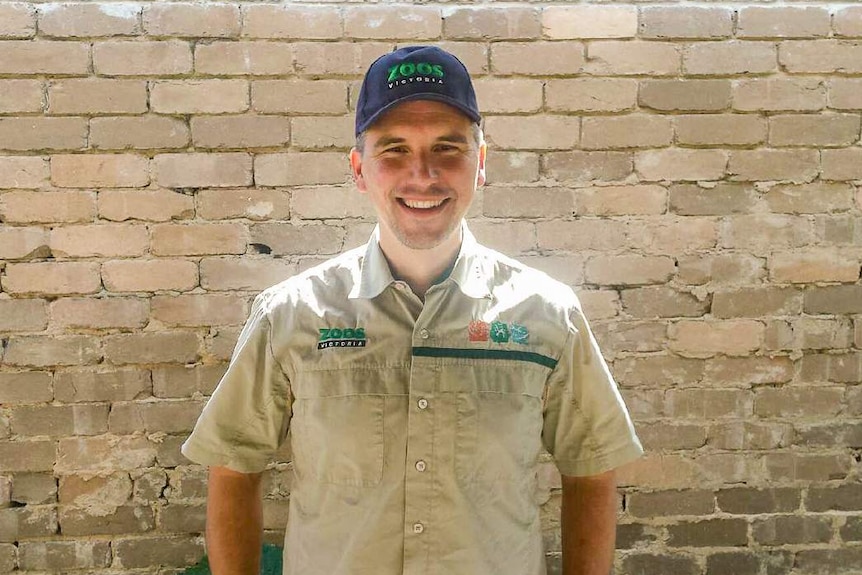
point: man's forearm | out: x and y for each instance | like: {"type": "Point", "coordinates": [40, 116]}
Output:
{"type": "Point", "coordinates": [588, 521]}
{"type": "Point", "coordinates": [234, 522]}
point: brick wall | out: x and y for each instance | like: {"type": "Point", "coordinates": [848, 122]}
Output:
{"type": "Point", "coordinates": [694, 171]}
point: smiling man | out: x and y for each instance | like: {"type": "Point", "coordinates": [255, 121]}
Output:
{"type": "Point", "coordinates": [417, 378]}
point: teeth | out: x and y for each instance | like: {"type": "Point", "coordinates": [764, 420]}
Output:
{"type": "Point", "coordinates": [422, 205]}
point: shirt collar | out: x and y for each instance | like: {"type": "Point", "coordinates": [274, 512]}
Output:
{"type": "Point", "coordinates": [468, 273]}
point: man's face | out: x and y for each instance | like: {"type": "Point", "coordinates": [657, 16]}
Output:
{"type": "Point", "coordinates": [420, 168]}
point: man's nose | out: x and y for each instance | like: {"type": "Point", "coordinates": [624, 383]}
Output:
{"type": "Point", "coordinates": [422, 168]}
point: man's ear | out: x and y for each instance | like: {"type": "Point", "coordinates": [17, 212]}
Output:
{"type": "Point", "coordinates": [480, 176]}
{"type": "Point", "coordinates": [356, 169]}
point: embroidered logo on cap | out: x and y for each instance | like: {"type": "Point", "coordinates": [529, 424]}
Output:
{"type": "Point", "coordinates": [408, 72]}
{"type": "Point", "coordinates": [338, 337]}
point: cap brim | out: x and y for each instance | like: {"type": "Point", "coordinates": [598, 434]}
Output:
{"type": "Point", "coordinates": [420, 96]}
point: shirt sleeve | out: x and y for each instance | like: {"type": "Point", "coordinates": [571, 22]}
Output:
{"type": "Point", "coordinates": [587, 428]}
{"type": "Point", "coordinates": [248, 415]}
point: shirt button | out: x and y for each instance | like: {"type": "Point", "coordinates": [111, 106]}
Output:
{"type": "Point", "coordinates": [420, 465]}
{"type": "Point", "coordinates": [424, 333]}
{"type": "Point", "coordinates": [400, 285]}
{"type": "Point", "coordinates": [423, 403]}
{"type": "Point", "coordinates": [418, 528]}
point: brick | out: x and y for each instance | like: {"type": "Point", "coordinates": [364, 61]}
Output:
{"type": "Point", "coordinates": [34, 455]}
{"type": "Point", "coordinates": [115, 385]}
{"type": "Point", "coordinates": [301, 168]}
{"type": "Point", "coordinates": [244, 58]}
{"type": "Point", "coordinates": [757, 302]}
{"type": "Point", "coordinates": [746, 371]}
{"type": "Point", "coordinates": [747, 436]}
{"type": "Point", "coordinates": [198, 239]}
{"type": "Point", "coordinates": [508, 95]}
{"type": "Point", "coordinates": [765, 233]}
{"type": "Point", "coordinates": [211, 96]}
{"type": "Point", "coordinates": [839, 229]}
{"type": "Point", "coordinates": [798, 402]}
{"type": "Point", "coordinates": [52, 278]}
{"type": "Point", "coordinates": [288, 239]}
{"type": "Point", "coordinates": [95, 493]}
{"type": "Point", "coordinates": [336, 58]}
{"type": "Point", "coordinates": [537, 58]}
{"type": "Point", "coordinates": [834, 498]}
{"type": "Point", "coordinates": [569, 270]}
{"type": "Point", "coordinates": [783, 22]}
{"type": "Point", "coordinates": [815, 265]}
{"type": "Point", "coordinates": [828, 561]}
{"type": "Point", "coordinates": [630, 336]}
{"type": "Point", "coordinates": [97, 96]}
{"type": "Point", "coordinates": [290, 21]}
{"type": "Point", "coordinates": [299, 96]}
{"type": "Point", "coordinates": [821, 56]}
{"type": "Point", "coordinates": [147, 205]}
{"type": "Point", "coordinates": [755, 501]}
{"type": "Point", "coordinates": [621, 200]}
{"type": "Point", "coordinates": [657, 371]}
{"type": "Point", "coordinates": [842, 368]}
{"type": "Point", "coordinates": [629, 270]}
{"type": "Point", "coordinates": [199, 170]}
{"type": "Point", "coordinates": [629, 536]}
{"type": "Point", "coordinates": [199, 310]}
{"type": "Point", "coordinates": [102, 313]}
{"type": "Point", "coordinates": [831, 435]}
{"type": "Point", "coordinates": [841, 164]}
{"type": "Point", "coordinates": [709, 533]}
{"type": "Point", "coordinates": [685, 22]}
{"type": "Point", "coordinates": [612, 58]}
{"type": "Point", "coordinates": [582, 234]}
{"type": "Point", "coordinates": [779, 94]}
{"type": "Point", "coordinates": [184, 381]}
{"type": "Point", "coordinates": [810, 199]}
{"type": "Point", "coordinates": [704, 339]}
{"type": "Point", "coordinates": [587, 166]}
{"type": "Point", "coordinates": [681, 164]}
{"type": "Point", "coordinates": [192, 20]}
{"type": "Point", "coordinates": [156, 347]}
{"type": "Point", "coordinates": [629, 131]}
{"type": "Point", "coordinates": [188, 484]}
{"type": "Point", "coordinates": [541, 132]}
{"type": "Point", "coordinates": [847, 21]}
{"type": "Point", "coordinates": [564, 22]}
{"type": "Point", "coordinates": [685, 95]}
{"type": "Point", "coordinates": [22, 315]}
{"type": "Point", "coordinates": [748, 563]}
{"type": "Point", "coordinates": [100, 171]}
{"type": "Point", "coordinates": [844, 93]}
{"type": "Point", "coordinates": [244, 131]}
{"type": "Point", "coordinates": [819, 130]}
{"type": "Point", "coordinates": [168, 58]}
{"type": "Point", "coordinates": [162, 416]}
{"type": "Point", "coordinates": [671, 503]}
{"type": "Point", "coordinates": [509, 167]}
{"type": "Point", "coordinates": [20, 96]}
{"type": "Point", "coordinates": [23, 172]}
{"type": "Point", "coordinates": [122, 520]}
{"type": "Point", "coordinates": [25, 387]}
{"type": "Point", "coordinates": [59, 420]}
{"type": "Point", "coordinates": [708, 403]}
{"type": "Point", "coordinates": [47, 207]}
{"type": "Point", "coordinates": [243, 203]}
{"type": "Point", "coordinates": [245, 274]}
{"type": "Point", "coordinates": [671, 436]}
{"type": "Point", "coordinates": [27, 523]}
{"type": "Point", "coordinates": [149, 275]}
{"type": "Point", "coordinates": [34, 488]}
{"type": "Point", "coordinates": [637, 563]}
{"type": "Point", "coordinates": [149, 485]}
{"type": "Point", "coordinates": [481, 23]}
{"type": "Point", "coordinates": [509, 238]}
{"type": "Point", "coordinates": [140, 132]}
{"type": "Point", "coordinates": [852, 529]}
{"type": "Point", "coordinates": [783, 467]}
{"type": "Point", "coordinates": [81, 20]}
{"type": "Point", "coordinates": [58, 556]}
{"type": "Point", "coordinates": [170, 551]}
{"type": "Point", "coordinates": [317, 132]}
{"type": "Point", "coordinates": [175, 518]}
{"type": "Point", "coordinates": [810, 333]}
{"type": "Point", "coordinates": [43, 133]}
{"type": "Point", "coordinates": [383, 22]}
{"type": "Point", "coordinates": [797, 166]}
{"type": "Point", "coordinates": [99, 241]}
{"type": "Point", "coordinates": [44, 57]}
{"type": "Point", "coordinates": [37, 351]}
{"type": "Point", "coordinates": [330, 203]}
{"type": "Point", "coordinates": [18, 21]}
{"type": "Point", "coordinates": [723, 199]}
{"type": "Point", "coordinates": [528, 202]}
{"type": "Point", "coordinates": [656, 302]}
{"type": "Point", "coordinates": [582, 95]}
{"type": "Point", "coordinates": [719, 130]}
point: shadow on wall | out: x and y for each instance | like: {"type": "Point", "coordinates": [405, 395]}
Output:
{"type": "Point", "coordinates": [270, 563]}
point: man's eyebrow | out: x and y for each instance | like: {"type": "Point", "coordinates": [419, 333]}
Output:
{"type": "Point", "coordinates": [453, 137]}
{"type": "Point", "coordinates": [387, 140]}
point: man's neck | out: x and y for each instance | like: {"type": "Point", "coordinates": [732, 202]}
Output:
{"type": "Point", "coordinates": [420, 269]}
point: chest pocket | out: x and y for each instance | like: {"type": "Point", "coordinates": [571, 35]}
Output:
{"type": "Point", "coordinates": [337, 427]}
{"type": "Point", "coordinates": [499, 421]}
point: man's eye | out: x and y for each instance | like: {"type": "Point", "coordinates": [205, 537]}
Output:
{"type": "Point", "coordinates": [395, 150]}
{"type": "Point", "coordinates": [447, 148]}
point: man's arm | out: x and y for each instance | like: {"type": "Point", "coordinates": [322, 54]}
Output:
{"type": "Point", "coordinates": [588, 520]}
{"type": "Point", "coordinates": [234, 522]}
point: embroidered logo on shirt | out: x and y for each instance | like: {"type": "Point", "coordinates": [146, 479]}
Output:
{"type": "Point", "coordinates": [338, 337]}
{"type": "Point", "coordinates": [498, 332]}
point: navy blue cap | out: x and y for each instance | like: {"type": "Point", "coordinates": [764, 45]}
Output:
{"type": "Point", "coordinates": [415, 73]}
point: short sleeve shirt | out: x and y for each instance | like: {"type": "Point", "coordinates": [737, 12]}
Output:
{"type": "Point", "coordinates": [416, 427]}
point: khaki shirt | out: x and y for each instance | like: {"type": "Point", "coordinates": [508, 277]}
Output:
{"type": "Point", "coordinates": [415, 429]}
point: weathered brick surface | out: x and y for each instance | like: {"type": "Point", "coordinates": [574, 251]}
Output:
{"type": "Point", "coordinates": [692, 170]}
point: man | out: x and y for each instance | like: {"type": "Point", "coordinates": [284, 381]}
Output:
{"type": "Point", "coordinates": [419, 376]}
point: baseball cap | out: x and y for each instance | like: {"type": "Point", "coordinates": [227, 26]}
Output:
{"type": "Point", "coordinates": [415, 73]}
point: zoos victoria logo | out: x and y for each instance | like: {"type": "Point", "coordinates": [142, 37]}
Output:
{"type": "Point", "coordinates": [409, 72]}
